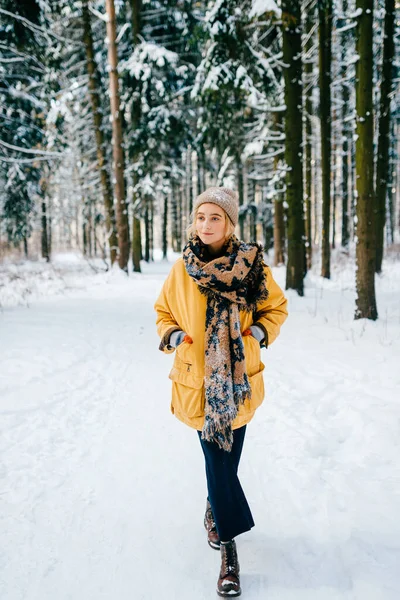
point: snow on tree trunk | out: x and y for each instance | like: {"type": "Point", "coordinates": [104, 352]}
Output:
{"type": "Point", "coordinates": [325, 65]}
{"type": "Point", "coordinates": [382, 166]}
{"type": "Point", "coordinates": [346, 129]}
{"type": "Point", "coordinates": [365, 226]}
{"type": "Point", "coordinates": [291, 21]}
{"type": "Point", "coordinates": [118, 153]}
{"type": "Point", "coordinates": [94, 82]}
{"type": "Point", "coordinates": [308, 77]}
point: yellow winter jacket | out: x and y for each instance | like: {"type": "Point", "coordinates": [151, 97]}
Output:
{"type": "Point", "coordinates": [180, 305]}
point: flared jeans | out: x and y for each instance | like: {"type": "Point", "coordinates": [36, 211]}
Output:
{"type": "Point", "coordinates": [231, 511]}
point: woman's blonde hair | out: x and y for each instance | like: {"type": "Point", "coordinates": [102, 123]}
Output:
{"type": "Point", "coordinates": [229, 226]}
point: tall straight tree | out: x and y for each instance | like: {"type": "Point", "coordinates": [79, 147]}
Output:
{"type": "Point", "coordinates": [136, 6]}
{"type": "Point", "coordinates": [382, 166]}
{"type": "Point", "coordinates": [291, 40]}
{"type": "Point", "coordinates": [94, 85]}
{"type": "Point", "coordinates": [325, 66]}
{"type": "Point", "coordinates": [118, 152]}
{"type": "Point", "coordinates": [346, 129]}
{"type": "Point", "coordinates": [365, 247]}
{"type": "Point", "coordinates": [308, 81]}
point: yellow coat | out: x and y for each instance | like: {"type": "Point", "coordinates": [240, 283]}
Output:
{"type": "Point", "coordinates": [180, 305]}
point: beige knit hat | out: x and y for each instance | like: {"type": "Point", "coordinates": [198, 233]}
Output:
{"type": "Point", "coordinates": [224, 197]}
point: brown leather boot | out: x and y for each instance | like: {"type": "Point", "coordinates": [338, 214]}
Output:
{"type": "Point", "coordinates": [228, 585]}
{"type": "Point", "coordinates": [209, 524]}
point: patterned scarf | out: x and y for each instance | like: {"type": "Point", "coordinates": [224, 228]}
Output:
{"type": "Point", "coordinates": [232, 282]}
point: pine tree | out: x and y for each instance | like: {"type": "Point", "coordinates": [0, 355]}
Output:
{"type": "Point", "coordinates": [231, 83]}
{"type": "Point", "coordinates": [21, 112]}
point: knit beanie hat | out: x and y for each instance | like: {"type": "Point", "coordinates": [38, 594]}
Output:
{"type": "Point", "coordinates": [224, 198]}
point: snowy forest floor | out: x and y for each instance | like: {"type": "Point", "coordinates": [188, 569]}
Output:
{"type": "Point", "coordinates": [102, 490]}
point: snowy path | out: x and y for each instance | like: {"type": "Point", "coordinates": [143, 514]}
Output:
{"type": "Point", "coordinates": [102, 491]}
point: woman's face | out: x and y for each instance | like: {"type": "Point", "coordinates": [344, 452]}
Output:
{"type": "Point", "coordinates": [211, 224]}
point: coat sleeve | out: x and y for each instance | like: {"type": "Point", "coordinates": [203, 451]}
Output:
{"type": "Point", "coordinates": [166, 323]}
{"type": "Point", "coordinates": [271, 313]}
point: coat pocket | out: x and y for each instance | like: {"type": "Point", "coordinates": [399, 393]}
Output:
{"type": "Point", "coordinates": [257, 389]}
{"type": "Point", "coordinates": [252, 353]}
{"type": "Point", "coordinates": [187, 389]}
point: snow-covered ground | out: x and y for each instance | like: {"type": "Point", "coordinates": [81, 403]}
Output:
{"type": "Point", "coordinates": [102, 490]}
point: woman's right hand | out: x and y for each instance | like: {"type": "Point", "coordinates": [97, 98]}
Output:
{"type": "Point", "coordinates": [179, 336]}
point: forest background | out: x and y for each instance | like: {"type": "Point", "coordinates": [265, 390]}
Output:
{"type": "Point", "coordinates": [115, 115]}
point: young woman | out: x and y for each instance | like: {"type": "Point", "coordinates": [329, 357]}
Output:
{"type": "Point", "coordinates": [217, 307]}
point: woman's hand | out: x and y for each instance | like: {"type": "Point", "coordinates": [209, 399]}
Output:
{"type": "Point", "coordinates": [177, 337]}
{"type": "Point", "coordinates": [256, 332]}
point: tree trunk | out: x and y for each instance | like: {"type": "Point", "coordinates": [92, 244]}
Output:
{"type": "Point", "coordinates": [147, 231]}
{"type": "Point", "coordinates": [89, 232]}
{"type": "Point", "coordinates": [366, 226]}
{"type": "Point", "coordinates": [189, 181]}
{"type": "Point", "coordinates": [382, 166]}
{"type": "Point", "coordinates": [151, 229]}
{"type": "Point", "coordinates": [85, 238]}
{"type": "Point", "coordinates": [279, 215]}
{"type": "Point", "coordinates": [136, 245]}
{"type": "Point", "coordinates": [346, 130]}
{"type": "Point", "coordinates": [325, 65]}
{"type": "Point", "coordinates": [94, 86]}
{"type": "Point", "coordinates": [291, 19]}
{"type": "Point", "coordinates": [308, 76]}
{"type": "Point", "coordinates": [118, 153]}
{"type": "Point", "coordinates": [45, 237]}
{"type": "Point", "coordinates": [242, 216]}
{"type": "Point", "coordinates": [165, 228]}
{"type": "Point", "coordinates": [174, 218]}
{"type": "Point", "coordinates": [136, 6]}
{"type": "Point", "coordinates": [182, 223]}
{"type": "Point", "coordinates": [49, 227]}
{"type": "Point", "coordinates": [279, 232]}
{"type": "Point", "coordinates": [353, 188]}
{"type": "Point", "coordinates": [392, 185]}
{"type": "Point", "coordinates": [253, 223]}
{"type": "Point", "coordinates": [202, 169]}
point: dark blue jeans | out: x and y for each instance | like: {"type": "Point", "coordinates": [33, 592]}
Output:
{"type": "Point", "coordinates": [229, 505]}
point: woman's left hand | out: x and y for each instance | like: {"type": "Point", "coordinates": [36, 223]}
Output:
{"type": "Point", "coordinates": [256, 332]}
